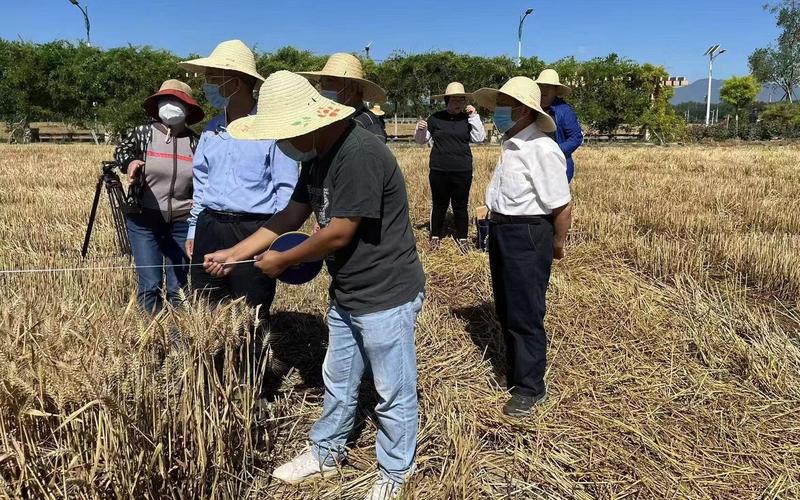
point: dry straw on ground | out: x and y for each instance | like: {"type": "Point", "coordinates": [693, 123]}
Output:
{"type": "Point", "coordinates": [674, 360]}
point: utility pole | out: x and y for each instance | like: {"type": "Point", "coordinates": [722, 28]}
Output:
{"type": "Point", "coordinates": [713, 52]}
{"type": "Point", "coordinates": [85, 12]}
{"type": "Point", "coordinates": [519, 36]}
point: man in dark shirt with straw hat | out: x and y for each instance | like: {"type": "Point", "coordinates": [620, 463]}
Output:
{"type": "Point", "coordinates": [530, 216]}
{"type": "Point", "coordinates": [342, 80]}
{"type": "Point", "coordinates": [353, 184]}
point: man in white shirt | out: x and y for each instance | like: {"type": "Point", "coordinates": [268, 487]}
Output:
{"type": "Point", "coordinates": [530, 214]}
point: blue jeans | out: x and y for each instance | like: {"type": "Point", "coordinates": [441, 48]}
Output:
{"type": "Point", "coordinates": [385, 341]}
{"type": "Point", "coordinates": [155, 242]}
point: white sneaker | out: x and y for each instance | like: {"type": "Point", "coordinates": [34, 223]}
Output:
{"type": "Point", "coordinates": [303, 467]}
{"type": "Point", "coordinates": [383, 489]}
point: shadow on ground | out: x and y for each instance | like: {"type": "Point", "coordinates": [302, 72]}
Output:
{"type": "Point", "coordinates": [299, 341]}
{"type": "Point", "coordinates": [484, 331]}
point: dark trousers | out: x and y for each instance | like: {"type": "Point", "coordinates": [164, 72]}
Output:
{"type": "Point", "coordinates": [155, 242]}
{"type": "Point", "coordinates": [447, 188]}
{"type": "Point", "coordinates": [217, 232]}
{"type": "Point", "coordinates": [520, 258]}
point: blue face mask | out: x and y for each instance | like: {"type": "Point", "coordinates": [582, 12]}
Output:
{"type": "Point", "coordinates": [502, 118]}
{"type": "Point", "coordinates": [330, 94]}
{"type": "Point", "coordinates": [215, 98]}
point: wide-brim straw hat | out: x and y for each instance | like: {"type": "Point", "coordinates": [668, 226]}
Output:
{"type": "Point", "coordinates": [454, 89]}
{"type": "Point", "coordinates": [232, 55]}
{"type": "Point", "coordinates": [526, 92]}
{"type": "Point", "coordinates": [343, 65]}
{"type": "Point", "coordinates": [377, 111]}
{"type": "Point", "coordinates": [550, 77]}
{"type": "Point", "coordinates": [180, 91]}
{"type": "Point", "coordinates": [288, 106]}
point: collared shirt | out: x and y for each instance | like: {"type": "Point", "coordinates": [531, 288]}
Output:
{"type": "Point", "coordinates": [233, 175]}
{"type": "Point", "coordinates": [530, 177]}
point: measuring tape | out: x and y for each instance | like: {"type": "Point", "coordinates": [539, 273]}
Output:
{"type": "Point", "coordinates": [108, 268]}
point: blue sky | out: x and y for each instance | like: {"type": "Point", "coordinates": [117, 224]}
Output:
{"type": "Point", "coordinates": [673, 33]}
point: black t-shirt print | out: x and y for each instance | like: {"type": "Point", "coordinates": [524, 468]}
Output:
{"type": "Point", "coordinates": [359, 177]}
{"type": "Point", "coordinates": [451, 137]}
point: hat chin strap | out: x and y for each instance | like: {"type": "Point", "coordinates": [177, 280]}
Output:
{"type": "Point", "coordinates": [352, 92]}
{"type": "Point", "coordinates": [230, 97]}
{"type": "Point", "coordinates": [522, 122]}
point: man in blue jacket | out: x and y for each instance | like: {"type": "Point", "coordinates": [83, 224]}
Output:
{"type": "Point", "coordinates": [568, 135]}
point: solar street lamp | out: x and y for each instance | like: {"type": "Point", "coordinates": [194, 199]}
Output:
{"type": "Point", "coordinates": [713, 52]}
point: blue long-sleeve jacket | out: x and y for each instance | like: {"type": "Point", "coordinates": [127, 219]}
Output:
{"type": "Point", "coordinates": [569, 135]}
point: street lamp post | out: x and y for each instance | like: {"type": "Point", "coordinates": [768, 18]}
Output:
{"type": "Point", "coordinates": [519, 36]}
{"type": "Point", "coordinates": [713, 52]}
{"type": "Point", "coordinates": [85, 12]}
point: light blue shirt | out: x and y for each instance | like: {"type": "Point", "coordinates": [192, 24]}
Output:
{"type": "Point", "coordinates": [232, 175]}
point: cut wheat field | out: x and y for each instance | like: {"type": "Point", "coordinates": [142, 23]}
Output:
{"type": "Point", "coordinates": [674, 361]}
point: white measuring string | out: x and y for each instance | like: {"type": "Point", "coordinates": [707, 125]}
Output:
{"type": "Point", "coordinates": [108, 268]}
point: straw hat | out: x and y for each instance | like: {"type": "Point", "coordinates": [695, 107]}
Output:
{"type": "Point", "coordinates": [343, 65]}
{"type": "Point", "coordinates": [550, 77]}
{"type": "Point", "coordinates": [377, 111]}
{"type": "Point", "coordinates": [526, 92]}
{"type": "Point", "coordinates": [288, 106]}
{"type": "Point", "coordinates": [232, 55]}
{"type": "Point", "coordinates": [454, 89]}
{"type": "Point", "coordinates": [182, 92]}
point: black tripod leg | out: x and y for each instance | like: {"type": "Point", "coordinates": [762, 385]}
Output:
{"type": "Point", "coordinates": [116, 199]}
{"type": "Point", "coordinates": [92, 216]}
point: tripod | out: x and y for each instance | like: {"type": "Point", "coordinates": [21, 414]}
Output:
{"type": "Point", "coordinates": [120, 206]}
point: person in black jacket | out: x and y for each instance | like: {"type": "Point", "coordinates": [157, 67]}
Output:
{"type": "Point", "coordinates": [451, 130]}
{"type": "Point", "coordinates": [342, 80]}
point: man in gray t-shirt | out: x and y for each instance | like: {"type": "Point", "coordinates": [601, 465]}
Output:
{"type": "Point", "coordinates": [352, 182]}
{"type": "Point", "coordinates": [359, 177]}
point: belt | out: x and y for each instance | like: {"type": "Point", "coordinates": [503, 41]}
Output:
{"type": "Point", "coordinates": [517, 219]}
{"type": "Point", "coordinates": [236, 216]}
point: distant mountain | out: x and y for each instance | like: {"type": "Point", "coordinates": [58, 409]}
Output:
{"type": "Point", "coordinates": [696, 92]}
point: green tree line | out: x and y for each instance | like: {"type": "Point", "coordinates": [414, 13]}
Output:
{"type": "Point", "coordinates": [97, 88]}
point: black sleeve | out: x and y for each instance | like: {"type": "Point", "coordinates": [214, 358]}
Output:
{"type": "Point", "coordinates": [358, 185]}
{"type": "Point", "coordinates": [300, 194]}
{"type": "Point", "coordinates": [131, 147]}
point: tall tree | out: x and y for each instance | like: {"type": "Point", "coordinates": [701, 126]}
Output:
{"type": "Point", "coordinates": [739, 92]}
{"type": "Point", "coordinates": [779, 64]}
{"type": "Point", "coordinates": [291, 59]}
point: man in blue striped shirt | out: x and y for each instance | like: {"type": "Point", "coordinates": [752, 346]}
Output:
{"type": "Point", "coordinates": [238, 184]}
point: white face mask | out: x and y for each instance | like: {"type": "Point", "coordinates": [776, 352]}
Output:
{"type": "Point", "coordinates": [172, 113]}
